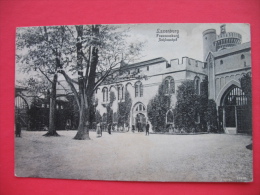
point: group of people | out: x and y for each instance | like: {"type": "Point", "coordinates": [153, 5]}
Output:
{"type": "Point", "coordinates": [147, 127]}
{"type": "Point", "coordinates": [99, 129]}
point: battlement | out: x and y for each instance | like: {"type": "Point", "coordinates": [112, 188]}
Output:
{"type": "Point", "coordinates": [229, 35]}
{"type": "Point", "coordinates": [186, 63]}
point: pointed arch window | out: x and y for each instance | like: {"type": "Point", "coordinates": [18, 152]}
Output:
{"type": "Point", "coordinates": [120, 92]}
{"type": "Point", "coordinates": [105, 94]}
{"type": "Point", "coordinates": [197, 85]}
{"type": "Point", "coordinates": [169, 86]}
{"type": "Point", "coordinates": [172, 84]}
{"type": "Point", "coordinates": [139, 107]}
{"type": "Point", "coordinates": [138, 89]}
{"type": "Point", "coordinates": [169, 117]}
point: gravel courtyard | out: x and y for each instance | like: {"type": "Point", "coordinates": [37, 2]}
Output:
{"type": "Point", "coordinates": [135, 157]}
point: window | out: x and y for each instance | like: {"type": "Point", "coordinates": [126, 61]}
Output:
{"type": "Point", "coordinates": [139, 107]}
{"type": "Point", "coordinates": [105, 94]}
{"type": "Point", "coordinates": [166, 86]}
{"type": "Point", "coordinates": [221, 62]}
{"type": "Point", "coordinates": [168, 65]}
{"type": "Point", "coordinates": [138, 89]}
{"type": "Point", "coordinates": [197, 85]}
{"type": "Point", "coordinates": [120, 92]}
{"type": "Point", "coordinates": [169, 117]}
{"type": "Point", "coordinates": [242, 57]}
{"type": "Point", "coordinates": [172, 86]}
{"type": "Point", "coordinates": [245, 64]}
{"type": "Point", "coordinates": [147, 68]}
{"type": "Point", "coordinates": [169, 86]}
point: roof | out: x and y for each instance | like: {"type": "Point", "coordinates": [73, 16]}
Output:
{"type": "Point", "coordinates": [145, 63]}
{"type": "Point", "coordinates": [234, 49]}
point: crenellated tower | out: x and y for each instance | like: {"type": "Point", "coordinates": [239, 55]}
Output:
{"type": "Point", "coordinates": [227, 40]}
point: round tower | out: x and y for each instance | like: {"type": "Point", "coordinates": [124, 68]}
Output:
{"type": "Point", "coordinates": [227, 40]}
{"type": "Point", "coordinates": [209, 37]}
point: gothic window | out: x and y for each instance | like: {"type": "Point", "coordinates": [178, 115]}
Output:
{"type": "Point", "coordinates": [120, 92]}
{"type": "Point", "coordinates": [197, 85]}
{"type": "Point", "coordinates": [242, 56]}
{"type": "Point", "coordinates": [169, 86]}
{"type": "Point", "coordinates": [172, 86]}
{"type": "Point", "coordinates": [138, 89]}
{"type": "Point", "coordinates": [139, 107]}
{"type": "Point", "coordinates": [221, 62]}
{"type": "Point", "coordinates": [236, 97]}
{"type": "Point", "coordinates": [169, 117]}
{"type": "Point", "coordinates": [105, 94]}
{"type": "Point", "coordinates": [147, 68]}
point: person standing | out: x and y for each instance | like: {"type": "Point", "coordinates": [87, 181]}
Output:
{"type": "Point", "coordinates": [109, 128]}
{"type": "Point", "coordinates": [99, 134]}
{"type": "Point", "coordinates": [133, 128]}
{"type": "Point", "coordinates": [18, 129]}
{"type": "Point", "coordinates": [147, 129]}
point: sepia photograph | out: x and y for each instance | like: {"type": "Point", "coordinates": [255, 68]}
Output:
{"type": "Point", "coordinates": [134, 102]}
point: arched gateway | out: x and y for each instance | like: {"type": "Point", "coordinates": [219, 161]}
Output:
{"type": "Point", "coordinates": [139, 116]}
{"type": "Point", "coordinates": [234, 111]}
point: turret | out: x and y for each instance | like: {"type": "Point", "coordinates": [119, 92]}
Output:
{"type": "Point", "coordinates": [209, 37]}
{"type": "Point", "coordinates": [227, 39]}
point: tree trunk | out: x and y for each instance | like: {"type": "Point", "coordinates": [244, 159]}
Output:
{"type": "Point", "coordinates": [83, 131]}
{"type": "Point", "coordinates": [52, 128]}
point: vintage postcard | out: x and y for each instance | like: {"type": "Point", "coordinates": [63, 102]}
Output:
{"type": "Point", "coordinates": [134, 102]}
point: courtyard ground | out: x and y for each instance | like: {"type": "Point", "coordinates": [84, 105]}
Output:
{"type": "Point", "coordinates": [134, 157]}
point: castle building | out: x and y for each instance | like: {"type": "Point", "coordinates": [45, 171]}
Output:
{"type": "Point", "coordinates": [226, 59]}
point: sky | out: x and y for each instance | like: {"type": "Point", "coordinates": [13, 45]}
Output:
{"type": "Point", "coordinates": [189, 43]}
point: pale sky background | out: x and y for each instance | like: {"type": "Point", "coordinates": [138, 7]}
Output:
{"type": "Point", "coordinates": [190, 42]}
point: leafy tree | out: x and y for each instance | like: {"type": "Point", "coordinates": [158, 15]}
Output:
{"type": "Point", "coordinates": [43, 50]}
{"type": "Point", "coordinates": [246, 86]}
{"type": "Point", "coordinates": [99, 50]}
{"type": "Point", "coordinates": [124, 109]}
{"type": "Point", "coordinates": [187, 107]}
{"type": "Point", "coordinates": [157, 108]}
{"type": "Point", "coordinates": [211, 116]}
{"type": "Point", "coordinates": [203, 109]}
